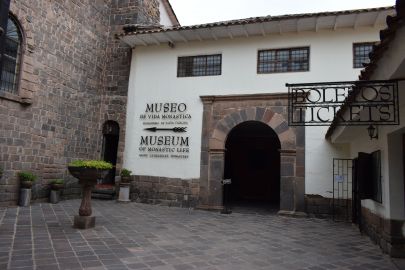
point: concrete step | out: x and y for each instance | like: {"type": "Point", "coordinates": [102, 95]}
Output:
{"type": "Point", "coordinates": [104, 191]}
{"type": "Point", "coordinates": [102, 196]}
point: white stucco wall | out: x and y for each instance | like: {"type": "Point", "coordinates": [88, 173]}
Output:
{"type": "Point", "coordinates": [392, 178]}
{"type": "Point", "coordinates": [390, 66]}
{"type": "Point", "coordinates": [164, 16]}
{"type": "Point", "coordinates": [154, 79]}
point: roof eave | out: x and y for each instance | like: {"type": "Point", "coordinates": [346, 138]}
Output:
{"type": "Point", "coordinates": [257, 26]}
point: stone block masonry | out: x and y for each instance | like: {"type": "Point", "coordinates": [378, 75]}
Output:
{"type": "Point", "coordinates": [165, 191]}
{"type": "Point", "coordinates": [73, 78]}
{"type": "Point", "coordinates": [318, 206]}
{"type": "Point", "coordinates": [387, 233]}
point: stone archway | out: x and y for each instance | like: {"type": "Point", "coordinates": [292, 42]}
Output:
{"type": "Point", "coordinates": [221, 114]}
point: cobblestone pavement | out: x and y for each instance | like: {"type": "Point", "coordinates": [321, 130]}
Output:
{"type": "Point", "coordinates": [140, 236]}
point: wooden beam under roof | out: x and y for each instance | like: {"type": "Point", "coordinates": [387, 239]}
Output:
{"type": "Point", "coordinates": [140, 40]}
{"type": "Point", "coordinates": [335, 23]}
{"type": "Point", "coordinates": [198, 35]}
{"type": "Point", "coordinates": [245, 31]}
{"type": "Point", "coordinates": [317, 24]}
{"type": "Point", "coordinates": [168, 37]}
{"type": "Point", "coordinates": [229, 31]}
{"type": "Point", "coordinates": [182, 37]}
{"type": "Point", "coordinates": [157, 42]}
{"type": "Point", "coordinates": [356, 21]}
{"type": "Point", "coordinates": [262, 30]}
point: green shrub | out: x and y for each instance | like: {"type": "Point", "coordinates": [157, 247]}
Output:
{"type": "Point", "coordinates": [95, 164]}
{"type": "Point", "coordinates": [27, 176]}
{"type": "Point", "coordinates": [126, 172]}
{"type": "Point", "coordinates": [58, 181]}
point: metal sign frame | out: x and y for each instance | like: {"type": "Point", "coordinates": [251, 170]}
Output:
{"type": "Point", "coordinates": [367, 103]}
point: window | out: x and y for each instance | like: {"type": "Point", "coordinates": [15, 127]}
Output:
{"type": "Point", "coordinates": [283, 60]}
{"type": "Point", "coordinates": [360, 53]}
{"type": "Point", "coordinates": [201, 65]}
{"type": "Point", "coordinates": [10, 57]}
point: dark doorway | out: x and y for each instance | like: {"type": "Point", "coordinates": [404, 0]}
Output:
{"type": "Point", "coordinates": [366, 182]}
{"type": "Point", "coordinates": [111, 132]}
{"type": "Point", "coordinates": [403, 161]}
{"type": "Point", "coordinates": [252, 161]}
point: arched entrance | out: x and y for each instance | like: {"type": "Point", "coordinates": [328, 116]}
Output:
{"type": "Point", "coordinates": [221, 115]}
{"type": "Point", "coordinates": [111, 131]}
{"type": "Point", "coordinates": [252, 161]}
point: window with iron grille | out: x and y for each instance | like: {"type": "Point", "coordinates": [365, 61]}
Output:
{"type": "Point", "coordinates": [283, 60]}
{"type": "Point", "coordinates": [360, 53]}
{"type": "Point", "coordinates": [200, 65]}
{"type": "Point", "coordinates": [10, 57]}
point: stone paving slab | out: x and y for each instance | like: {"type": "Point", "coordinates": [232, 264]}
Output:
{"type": "Point", "coordinates": [141, 236]}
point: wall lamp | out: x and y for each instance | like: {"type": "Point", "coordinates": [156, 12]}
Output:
{"type": "Point", "coordinates": [372, 132]}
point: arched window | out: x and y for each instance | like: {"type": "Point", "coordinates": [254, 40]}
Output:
{"type": "Point", "coordinates": [10, 57]}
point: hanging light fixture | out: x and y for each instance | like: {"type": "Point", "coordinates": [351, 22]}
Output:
{"type": "Point", "coordinates": [372, 132]}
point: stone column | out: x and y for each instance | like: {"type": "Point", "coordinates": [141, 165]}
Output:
{"type": "Point", "coordinates": [85, 206]}
{"type": "Point", "coordinates": [292, 187]}
{"type": "Point", "coordinates": [205, 155]}
{"type": "Point", "coordinates": [85, 220]}
{"type": "Point", "coordinates": [215, 176]}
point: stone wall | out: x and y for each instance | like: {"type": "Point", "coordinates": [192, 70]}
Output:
{"type": "Point", "coordinates": [387, 233]}
{"type": "Point", "coordinates": [118, 60]}
{"type": "Point", "coordinates": [74, 77]}
{"type": "Point", "coordinates": [165, 191]}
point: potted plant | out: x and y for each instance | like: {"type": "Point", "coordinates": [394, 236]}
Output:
{"type": "Point", "coordinates": [123, 195]}
{"type": "Point", "coordinates": [56, 186]}
{"type": "Point", "coordinates": [125, 176]}
{"type": "Point", "coordinates": [87, 171]}
{"type": "Point", "coordinates": [27, 179]}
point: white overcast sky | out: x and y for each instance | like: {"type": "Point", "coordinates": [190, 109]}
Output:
{"type": "Point", "coordinates": [204, 11]}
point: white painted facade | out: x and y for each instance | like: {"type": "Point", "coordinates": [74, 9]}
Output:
{"type": "Point", "coordinates": [164, 15]}
{"type": "Point", "coordinates": [153, 79]}
{"type": "Point", "coordinates": [391, 66]}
